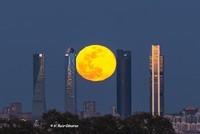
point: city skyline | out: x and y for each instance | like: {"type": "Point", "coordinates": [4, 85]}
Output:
{"type": "Point", "coordinates": [155, 47]}
{"type": "Point", "coordinates": [28, 27]}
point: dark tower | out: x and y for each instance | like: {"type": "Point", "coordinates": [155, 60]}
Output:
{"type": "Point", "coordinates": [39, 102]}
{"type": "Point", "coordinates": [123, 83]}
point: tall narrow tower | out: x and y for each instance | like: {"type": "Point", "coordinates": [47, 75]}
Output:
{"type": "Point", "coordinates": [39, 102]}
{"type": "Point", "coordinates": [156, 81]}
{"type": "Point", "coordinates": [123, 83]}
{"type": "Point", "coordinates": [70, 81]}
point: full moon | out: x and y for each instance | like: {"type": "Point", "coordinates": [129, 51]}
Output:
{"type": "Point", "coordinates": [95, 62]}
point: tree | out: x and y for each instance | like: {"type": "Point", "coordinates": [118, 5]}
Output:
{"type": "Point", "coordinates": [144, 123]}
{"type": "Point", "coordinates": [52, 120]}
{"type": "Point", "coordinates": [101, 125]}
{"type": "Point", "coordinates": [16, 126]}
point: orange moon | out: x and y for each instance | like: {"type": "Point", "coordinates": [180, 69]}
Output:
{"type": "Point", "coordinates": [95, 62]}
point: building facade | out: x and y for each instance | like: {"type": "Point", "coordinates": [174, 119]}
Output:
{"type": "Point", "coordinates": [14, 111]}
{"type": "Point", "coordinates": [16, 107]}
{"type": "Point", "coordinates": [123, 83]}
{"type": "Point", "coordinates": [70, 81]}
{"type": "Point", "coordinates": [114, 112]}
{"type": "Point", "coordinates": [89, 110]}
{"type": "Point", "coordinates": [39, 101]}
{"type": "Point", "coordinates": [156, 81]}
{"type": "Point", "coordinates": [187, 121]}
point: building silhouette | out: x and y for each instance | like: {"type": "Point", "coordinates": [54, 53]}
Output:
{"type": "Point", "coordinates": [123, 83]}
{"type": "Point", "coordinates": [70, 81]}
{"type": "Point", "coordinates": [114, 112]}
{"type": "Point", "coordinates": [39, 101]}
{"type": "Point", "coordinates": [89, 110]}
{"type": "Point", "coordinates": [156, 81]}
{"type": "Point", "coordinates": [16, 107]}
{"type": "Point", "coordinates": [187, 121]}
{"type": "Point", "coordinates": [14, 111]}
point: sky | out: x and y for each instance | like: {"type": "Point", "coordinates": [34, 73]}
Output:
{"type": "Point", "coordinates": [52, 26]}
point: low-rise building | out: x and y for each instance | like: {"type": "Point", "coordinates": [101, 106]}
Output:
{"type": "Point", "coordinates": [187, 121]}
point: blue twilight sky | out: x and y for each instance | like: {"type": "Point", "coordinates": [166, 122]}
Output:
{"type": "Point", "coordinates": [29, 26]}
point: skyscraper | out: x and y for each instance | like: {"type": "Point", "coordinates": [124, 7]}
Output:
{"type": "Point", "coordinates": [70, 81]}
{"type": "Point", "coordinates": [156, 81]}
{"type": "Point", "coordinates": [123, 83]}
{"type": "Point", "coordinates": [39, 102]}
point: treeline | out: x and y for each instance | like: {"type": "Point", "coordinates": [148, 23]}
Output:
{"type": "Point", "coordinates": [54, 122]}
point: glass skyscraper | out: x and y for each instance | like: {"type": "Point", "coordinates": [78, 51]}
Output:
{"type": "Point", "coordinates": [123, 83]}
{"type": "Point", "coordinates": [39, 102]}
{"type": "Point", "coordinates": [156, 81]}
{"type": "Point", "coordinates": [70, 81]}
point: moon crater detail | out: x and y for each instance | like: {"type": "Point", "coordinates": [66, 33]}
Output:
{"type": "Point", "coordinates": [95, 62]}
